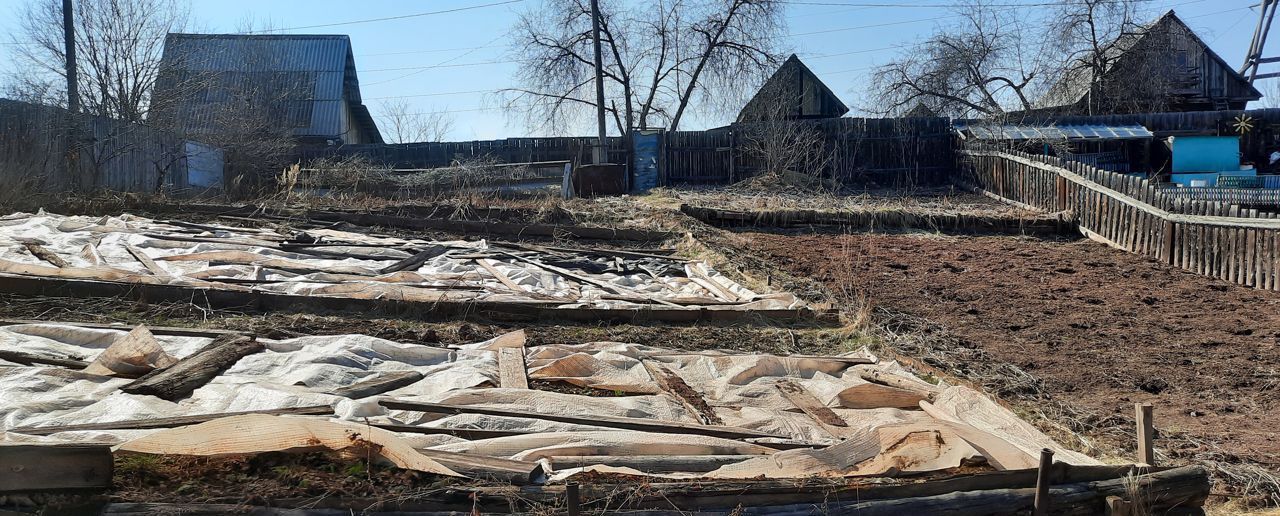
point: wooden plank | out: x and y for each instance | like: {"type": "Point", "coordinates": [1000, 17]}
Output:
{"type": "Point", "coordinates": [652, 463]}
{"type": "Point", "coordinates": [673, 384]}
{"type": "Point", "coordinates": [1146, 434]}
{"type": "Point", "coordinates": [515, 287]}
{"type": "Point", "coordinates": [168, 422]}
{"type": "Point", "coordinates": [414, 262]}
{"type": "Point", "coordinates": [40, 252]}
{"type": "Point", "coordinates": [181, 379]}
{"type": "Point", "coordinates": [47, 466]}
{"type": "Point", "coordinates": [145, 260]}
{"type": "Point", "coordinates": [626, 423]}
{"type": "Point", "coordinates": [512, 372]}
{"type": "Point", "coordinates": [925, 389]}
{"type": "Point", "coordinates": [379, 384]}
{"type": "Point", "coordinates": [155, 330]}
{"type": "Point", "coordinates": [807, 403]}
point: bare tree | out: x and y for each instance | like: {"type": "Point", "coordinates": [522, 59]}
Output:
{"type": "Point", "coordinates": [401, 124]}
{"type": "Point", "coordinates": [980, 66]}
{"type": "Point", "coordinates": [660, 58]}
{"type": "Point", "coordinates": [1096, 37]}
{"type": "Point", "coordinates": [118, 48]}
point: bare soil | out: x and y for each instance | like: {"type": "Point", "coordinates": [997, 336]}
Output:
{"type": "Point", "coordinates": [1102, 328]}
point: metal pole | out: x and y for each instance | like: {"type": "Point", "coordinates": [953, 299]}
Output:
{"type": "Point", "coordinates": [1041, 506]}
{"type": "Point", "coordinates": [573, 504]}
{"type": "Point", "coordinates": [599, 155]}
{"type": "Point", "coordinates": [69, 43]}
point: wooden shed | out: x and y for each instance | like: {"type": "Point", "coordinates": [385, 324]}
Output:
{"type": "Point", "coordinates": [1163, 67]}
{"type": "Point", "coordinates": [792, 93]}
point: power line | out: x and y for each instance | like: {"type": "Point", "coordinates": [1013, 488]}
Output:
{"type": "Point", "coordinates": [390, 18]}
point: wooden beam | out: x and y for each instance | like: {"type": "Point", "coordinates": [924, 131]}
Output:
{"type": "Point", "coordinates": [807, 403]}
{"type": "Point", "coordinates": [673, 384]}
{"type": "Point", "coordinates": [626, 423]}
{"type": "Point", "coordinates": [181, 379]}
{"type": "Point", "coordinates": [1146, 433]}
{"type": "Point", "coordinates": [414, 262]}
{"type": "Point", "coordinates": [652, 463]}
{"type": "Point", "coordinates": [483, 467]}
{"type": "Point", "coordinates": [925, 389]}
{"type": "Point", "coordinates": [379, 384]}
{"type": "Point", "coordinates": [512, 372]}
{"type": "Point", "coordinates": [145, 260]}
{"type": "Point", "coordinates": [39, 467]}
{"type": "Point", "coordinates": [169, 422]}
{"type": "Point", "coordinates": [19, 357]}
{"type": "Point", "coordinates": [40, 252]}
{"type": "Point", "coordinates": [515, 287]}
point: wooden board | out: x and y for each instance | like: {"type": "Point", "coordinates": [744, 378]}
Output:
{"type": "Point", "coordinates": [40, 252]}
{"type": "Point", "coordinates": [37, 467]}
{"type": "Point", "coordinates": [168, 422]}
{"type": "Point", "coordinates": [379, 384]}
{"type": "Point", "coordinates": [19, 357]}
{"type": "Point", "coordinates": [807, 403]}
{"type": "Point", "coordinates": [627, 423]}
{"type": "Point", "coordinates": [512, 372]}
{"type": "Point", "coordinates": [145, 260]}
{"type": "Point", "coordinates": [673, 384]}
{"type": "Point", "coordinates": [414, 262]}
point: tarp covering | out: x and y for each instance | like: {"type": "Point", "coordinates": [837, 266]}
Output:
{"type": "Point", "coordinates": [982, 131]}
{"type": "Point", "coordinates": [867, 436]}
{"type": "Point", "coordinates": [331, 263]}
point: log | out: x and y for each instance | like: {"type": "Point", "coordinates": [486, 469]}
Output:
{"type": "Point", "coordinates": [414, 262]}
{"type": "Point", "coordinates": [652, 463]}
{"type": "Point", "coordinates": [626, 423]}
{"type": "Point", "coordinates": [169, 422]}
{"type": "Point", "coordinates": [379, 384]}
{"type": "Point", "coordinates": [40, 252]}
{"type": "Point", "coordinates": [35, 467]}
{"type": "Point", "coordinates": [181, 379]}
{"type": "Point", "coordinates": [29, 359]}
{"type": "Point", "coordinates": [512, 372]}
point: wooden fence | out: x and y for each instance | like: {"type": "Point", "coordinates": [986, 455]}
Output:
{"type": "Point", "coordinates": [444, 154]}
{"type": "Point", "coordinates": [110, 154]}
{"type": "Point", "coordinates": [1212, 238]}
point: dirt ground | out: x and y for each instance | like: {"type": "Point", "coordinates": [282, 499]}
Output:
{"type": "Point", "coordinates": [1102, 328]}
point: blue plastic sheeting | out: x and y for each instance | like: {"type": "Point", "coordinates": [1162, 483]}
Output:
{"type": "Point", "coordinates": [1054, 132]}
{"type": "Point", "coordinates": [1205, 153]}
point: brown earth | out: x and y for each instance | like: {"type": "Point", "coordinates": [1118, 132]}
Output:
{"type": "Point", "coordinates": [1102, 328]}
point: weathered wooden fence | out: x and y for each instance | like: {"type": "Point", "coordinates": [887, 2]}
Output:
{"type": "Point", "coordinates": [1220, 240]}
{"type": "Point", "coordinates": [888, 151]}
{"type": "Point", "coordinates": [444, 154]}
{"type": "Point", "coordinates": [109, 154]}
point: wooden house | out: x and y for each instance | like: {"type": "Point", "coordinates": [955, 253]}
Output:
{"type": "Point", "coordinates": [793, 92]}
{"type": "Point", "coordinates": [1162, 67]}
{"type": "Point", "coordinates": [302, 85]}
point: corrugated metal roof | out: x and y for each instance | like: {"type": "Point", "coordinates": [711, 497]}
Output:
{"type": "Point", "coordinates": [1053, 132]}
{"type": "Point", "coordinates": [205, 72]}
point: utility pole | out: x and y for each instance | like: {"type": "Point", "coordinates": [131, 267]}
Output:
{"type": "Point", "coordinates": [69, 43]}
{"type": "Point", "coordinates": [600, 155]}
{"type": "Point", "coordinates": [73, 99]}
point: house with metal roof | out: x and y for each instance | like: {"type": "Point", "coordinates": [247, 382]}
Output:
{"type": "Point", "coordinates": [304, 86]}
{"type": "Point", "coordinates": [1161, 67]}
{"type": "Point", "coordinates": [793, 92]}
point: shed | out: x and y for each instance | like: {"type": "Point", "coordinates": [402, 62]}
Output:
{"type": "Point", "coordinates": [304, 84]}
{"type": "Point", "coordinates": [1164, 66]}
{"type": "Point", "coordinates": [793, 92]}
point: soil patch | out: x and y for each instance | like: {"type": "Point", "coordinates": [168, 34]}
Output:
{"type": "Point", "coordinates": [1101, 328]}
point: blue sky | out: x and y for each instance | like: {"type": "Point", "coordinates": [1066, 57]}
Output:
{"type": "Point", "coordinates": [838, 42]}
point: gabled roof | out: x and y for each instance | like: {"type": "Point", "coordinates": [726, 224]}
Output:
{"type": "Point", "coordinates": [792, 92]}
{"type": "Point", "coordinates": [313, 74]}
{"type": "Point", "coordinates": [1074, 86]}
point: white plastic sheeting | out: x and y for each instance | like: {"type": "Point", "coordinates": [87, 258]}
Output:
{"type": "Point", "coordinates": [959, 426]}
{"type": "Point", "coordinates": [250, 259]}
